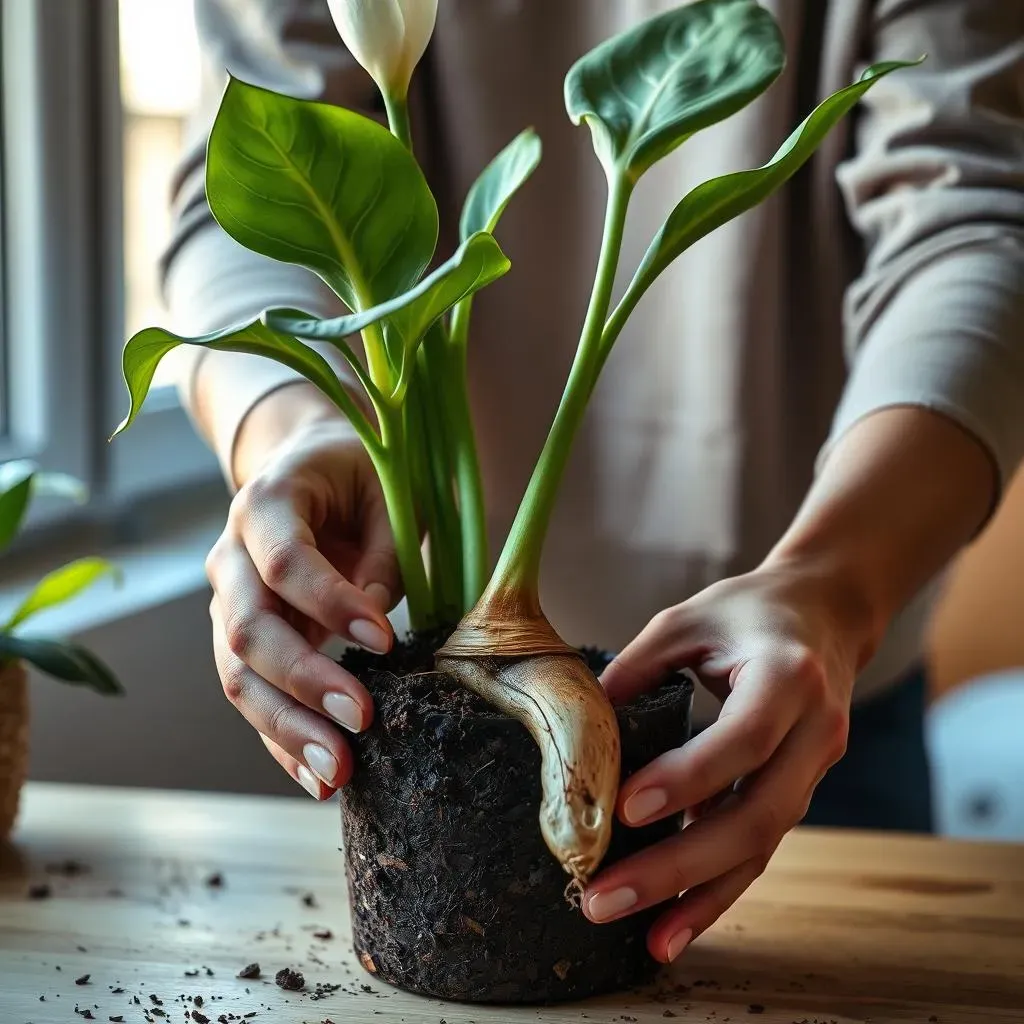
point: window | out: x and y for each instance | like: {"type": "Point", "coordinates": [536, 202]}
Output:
{"type": "Point", "coordinates": [160, 73]}
{"type": "Point", "coordinates": [94, 99]}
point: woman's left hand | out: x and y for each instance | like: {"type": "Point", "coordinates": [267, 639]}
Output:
{"type": "Point", "coordinates": [781, 651]}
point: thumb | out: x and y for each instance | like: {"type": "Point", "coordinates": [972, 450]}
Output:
{"type": "Point", "coordinates": [665, 644]}
{"type": "Point", "coordinates": [376, 572]}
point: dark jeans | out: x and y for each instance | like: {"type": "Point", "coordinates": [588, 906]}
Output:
{"type": "Point", "coordinates": [883, 781]}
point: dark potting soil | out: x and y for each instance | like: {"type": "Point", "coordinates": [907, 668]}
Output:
{"type": "Point", "coordinates": [453, 892]}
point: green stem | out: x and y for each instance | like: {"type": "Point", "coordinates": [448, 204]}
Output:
{"type": "Point", "coordinates": [519, 565]}
{"type": "Point", "coordinates": [426, 394]}
{"type": "Point", "coordinates": [476, 557]}
{"type": "Point", "coordinates": [397, 108]}
{"type": "Point", "coordinates": [394, 473]}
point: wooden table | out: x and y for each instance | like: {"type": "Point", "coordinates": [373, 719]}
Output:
{"type": "Point", "coordinates": [842, 928]}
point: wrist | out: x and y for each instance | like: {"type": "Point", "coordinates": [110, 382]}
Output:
{"type": "Point", "coordinates": [834, 582]}
{"type": "Point", "coordinates": [280, 416]}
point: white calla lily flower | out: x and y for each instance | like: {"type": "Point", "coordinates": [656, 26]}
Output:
{"type": "Point", "coordinates": [388, 37]}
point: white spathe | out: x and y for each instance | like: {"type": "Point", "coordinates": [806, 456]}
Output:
{"type": "Point", "coordinates": [388, 37]}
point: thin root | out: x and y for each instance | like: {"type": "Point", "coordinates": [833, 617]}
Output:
{"type": "Point", "coordinates": [574, 893]}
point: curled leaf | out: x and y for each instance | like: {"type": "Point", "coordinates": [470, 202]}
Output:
{"type": "Point", "coordinates": [143, 352]}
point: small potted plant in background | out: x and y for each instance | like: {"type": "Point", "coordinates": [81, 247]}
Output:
{"type": "Point", "coordinates": [453, 892]}
{"type": "Point", "coordinates": [71, 663]}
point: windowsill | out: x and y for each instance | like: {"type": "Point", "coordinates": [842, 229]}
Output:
{"type": "Point", "coordinates": [154, 572]}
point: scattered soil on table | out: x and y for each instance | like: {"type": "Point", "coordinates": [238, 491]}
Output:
{"type": "Point", "coordinates": [453, 891]}
{"type": "Point", "coordinates": [291, 981]}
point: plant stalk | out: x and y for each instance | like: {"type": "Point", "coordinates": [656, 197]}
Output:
{"type": "Point", "coordinates": [518, 568]}
{"type": "Point", "coordinates": [395, 480]}
{"type": "Point", "coordinates": [397, 109]}
{"type": "Point", "coordinates": [476, 559]}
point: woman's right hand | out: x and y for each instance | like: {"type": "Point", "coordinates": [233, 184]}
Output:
{"type": "Point", "coordinates": [307, 553]}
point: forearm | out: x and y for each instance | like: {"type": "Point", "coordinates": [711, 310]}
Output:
{"type": "Point", "coordinates": [898, 495]}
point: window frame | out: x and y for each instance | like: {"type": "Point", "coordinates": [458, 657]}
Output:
{"type": "Point", "coordinates": [63, 178]}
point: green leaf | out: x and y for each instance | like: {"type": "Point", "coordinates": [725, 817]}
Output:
{"type": "Point", "coordinates": [20, 482]}
{"type": "Point", "coordinates": [715, 202]}
{"type": "Point", "coordinates": [143, 352]}
{"type": "Point", "coordinates": [476, 263]}
{"type": "Point", "coordinates": [644, 92]}
{"type": "Point", "coordinates": [61, 585]}
{"type": "Point", "coordinates": [69, 662]}
{"type": "Point", "coordinates": [321, 187]}
{"type": "Point", "coordinates": [15, 492]}
{"type": "Point", "coordinates": [498, 183]}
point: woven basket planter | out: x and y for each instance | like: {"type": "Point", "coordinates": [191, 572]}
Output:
{"type": "Point", "coordinates": [13, 742]}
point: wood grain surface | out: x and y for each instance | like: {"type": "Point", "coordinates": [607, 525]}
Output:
{"type": "Point", "coordinates": [842, 928]}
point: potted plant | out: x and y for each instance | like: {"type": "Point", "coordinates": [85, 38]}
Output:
{"type": "Point", "coordinates": [455, 891]}
{"type": "Point", "coordinates": [71, 663]}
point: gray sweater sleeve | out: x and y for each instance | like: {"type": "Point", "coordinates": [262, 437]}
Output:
{"type": "Point", "coordinates": [209, 280]}
{"type": "Point", "coordinates": [936, 190]}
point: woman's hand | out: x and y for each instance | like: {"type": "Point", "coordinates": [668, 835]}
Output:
{"type": "Point", "coordinates": [782, 654]}
{"type": "Point", "coordinates": [307, 553]}
{"type": "Point", "coordinates": [898, 495]}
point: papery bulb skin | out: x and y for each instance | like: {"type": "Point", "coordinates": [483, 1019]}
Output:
{"type": "Point", "coordinates": [506, 652]}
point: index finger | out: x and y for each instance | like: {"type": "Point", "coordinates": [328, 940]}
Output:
{"type": "Point", "coordinates": [283, 549]}
{"type": "Point", "coordinates": [756, 718]}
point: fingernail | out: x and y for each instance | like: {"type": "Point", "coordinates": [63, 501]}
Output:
{"type": "Point", "coordinates": [603, 906]}
{"type": "Point", "coordinates": [308, 781]}
{"type": "Point", "coordinates": [369, 635]}
{"type": "Point", "coordinates": [643, 803]}
{"type": "Point", "coordinates": [344, 710]}
{"type": "Point", "coordinates": [321, 762]}
{"type": "Point", "coordinates": [678, 943]}
{"type": "Point", "coordinates": [379, 594]}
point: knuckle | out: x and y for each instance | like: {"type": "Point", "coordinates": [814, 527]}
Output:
{"type": "Point", "coordinates": [297, 672]}
{"type": "Point", "coordinates": [810, 673]}
{"type": "Point", "coordinates": [278, 563]}
{"type": "Point", "coordinates": [214, 559]}
{"type": "Point", "coordinates": [240, 635]}
{"type": "Point", "coordinates": [233, 683]}
{"type": "Point", "coordinates": [277, 721]}
{"type": "Point", "coordinates": [663, 622]}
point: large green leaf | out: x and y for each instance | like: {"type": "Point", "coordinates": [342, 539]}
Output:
{"type": "Point", "coordinates": [715, 202]}
{"type": "Point", "coordinates": [498, 183]}
{"type": "Point", "coordinates": [322, 187]}
{"type": "Point", "coordinates": [644, 92]}
{"type": "Point", "coordinates": [71, 663]}
{"type": "Point", "coordinates": [59, 586]}
{"type": "Point", "coordinates": [143, 352]}
{"type": "Point", "coordinates": [475, 264]}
